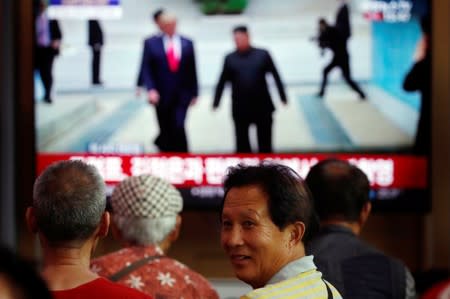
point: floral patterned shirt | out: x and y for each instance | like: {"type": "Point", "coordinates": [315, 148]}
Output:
{"type": "Point", "coordinates": [161, 277]}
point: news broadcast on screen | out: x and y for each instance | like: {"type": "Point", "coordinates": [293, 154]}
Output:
{"type": "Point", "coordinates": [334, 79]}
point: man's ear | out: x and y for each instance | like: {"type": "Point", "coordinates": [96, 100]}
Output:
{"type": "Point", "coordinates": [297, 231]}
{"type": "Point", "coordinates": [365, 212]}
{"type": "Point", "coordinates": [104, 225]}
{"type": "Point", "coordinates": [30, 218]}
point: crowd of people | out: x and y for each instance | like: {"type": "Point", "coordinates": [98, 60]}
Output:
{"type": "Point", "coordinates": [284, 236]}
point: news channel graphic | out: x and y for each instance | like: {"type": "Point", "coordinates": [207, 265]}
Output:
{"type": "Point", "coordinates": [393, 178]}
{"type": "Point", "coordinates": [114, 119]}
{"type": "Point", "coordinates": [85, 9]}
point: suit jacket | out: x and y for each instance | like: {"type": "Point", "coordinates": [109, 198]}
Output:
{"type": "Point", "coordinates": [95, 34]}
{"type": "Point", "coordinates": [247, 73]}
{"type": "Point", "coordinates": [332, 38]}
{"type": "Point", "coordinates": [182, 85]}
{"type": "Point", "coordinates": [343, 21]}
{"type": "Point", "coordinates": [55, 31]}
{"type": "Point", "coordinates": [55, 34]}
{"type": "Point", "coordinates": [357, 269]}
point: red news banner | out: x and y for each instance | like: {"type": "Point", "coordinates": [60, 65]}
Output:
{"type": "Point", "coordinates": [185, 170]}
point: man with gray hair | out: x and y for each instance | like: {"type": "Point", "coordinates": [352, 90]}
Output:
{"type": "Point", "coordinates": [146, 220]}
{"type": "Point", "coordinates": [68, 214]}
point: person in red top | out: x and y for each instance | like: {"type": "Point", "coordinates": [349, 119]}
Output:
{"type": "Point", "coordinates": [440, 290]}
{"type": "Point", "coordinates": [68, 214]}
{"type": "Point", "coordinates": [146, 220]}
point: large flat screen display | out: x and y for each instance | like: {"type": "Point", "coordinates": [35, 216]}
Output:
{"type": "Point", "coordinates": [364, 114]}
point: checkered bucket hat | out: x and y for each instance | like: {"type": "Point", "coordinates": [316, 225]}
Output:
{"type": "Point", "coordinates": [146, 196]}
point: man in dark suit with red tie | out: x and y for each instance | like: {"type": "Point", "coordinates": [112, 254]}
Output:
{"type": "Point", "coordinates": [170, 77]}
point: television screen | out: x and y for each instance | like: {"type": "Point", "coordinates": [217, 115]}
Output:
{"type": "Point", "coordinates": [93, 108]}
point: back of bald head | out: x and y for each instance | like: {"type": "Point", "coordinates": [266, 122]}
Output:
{"type": "Point", "coordinates": [340, 190]}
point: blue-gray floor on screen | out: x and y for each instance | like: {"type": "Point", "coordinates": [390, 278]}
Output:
{"type": "Point", "coordinates": [324, 127]}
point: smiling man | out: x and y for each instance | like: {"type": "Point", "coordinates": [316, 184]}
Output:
{"type": "Point", "coordinates": [266, 213]}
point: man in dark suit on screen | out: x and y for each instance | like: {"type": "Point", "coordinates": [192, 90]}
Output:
{"type": "Point", "coordinates": [170, 77]}
{"type": "Point", "coordinates": [46, 47]}
{"type": "Point", "coordinates": [95, 41]}
{"type": "Point", "coordinates": [330, 37]}
{"type": "Point", "coordinates": [246, 69]}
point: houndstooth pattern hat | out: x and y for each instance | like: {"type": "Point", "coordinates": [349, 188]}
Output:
{"type": "Point", "coordinates": [146, 196]}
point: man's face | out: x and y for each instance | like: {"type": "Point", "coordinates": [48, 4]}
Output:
{"type": "Point", "coordinates": [168, 26]}
{"type": "Point", "coordinates": [255, 246]}
{"type": "Point", "coordinates": [241, 40]}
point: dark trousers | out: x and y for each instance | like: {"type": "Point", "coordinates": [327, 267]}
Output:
{"type": "Point", "coordinates": [172, 134]}
{"type": "Point", "coordinates": [341, 62]}
{"type": "Point", "coordinates": [95, 65]}
{"type": "Point", "coordinates": [263, 131]}
{"type": "Point", "coordinates": [44, 65]}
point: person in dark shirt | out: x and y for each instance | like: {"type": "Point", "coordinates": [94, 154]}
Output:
{"type": "Point", "coordinates": [340, 193]}
{"type": "Point", "coordinates": [330, 37]}
{"type": "Point", "coordinates": [95, 41]}
{"type": "Point", "coordinates": [418, 79]}
{"type": "Point", "coordinates": [47, 44]}
{"type": "Point", "coordinates": [246, 69]}
{"type": "Point", "coordinates": [343, 20]}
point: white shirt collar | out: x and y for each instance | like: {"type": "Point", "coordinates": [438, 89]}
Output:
{"type": "Point", "coordinates": [294, 268]}
{"type": "Point", "coordinates": [176, 40]}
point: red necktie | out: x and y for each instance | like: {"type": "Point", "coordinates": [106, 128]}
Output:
{"type": "Point", "coordinates": [172, 58]}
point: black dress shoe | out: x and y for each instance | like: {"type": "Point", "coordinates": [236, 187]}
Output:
{"type": "Point", "coordinates": [48, 100]}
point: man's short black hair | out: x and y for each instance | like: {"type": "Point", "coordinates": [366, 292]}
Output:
{"type": "Point", "coordinates": [289, 199]}
{"type": "Point", "coordinates": [241, 29]}
{"type": "Point", "coordinates": [157, 13]}
{"type": "Point", "coordinates": [323, 21]}
{"type": "Point", "coordinates": [339, 189]}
